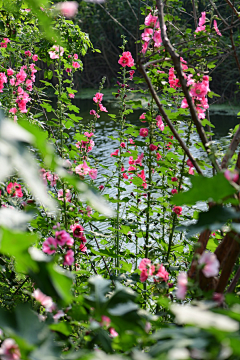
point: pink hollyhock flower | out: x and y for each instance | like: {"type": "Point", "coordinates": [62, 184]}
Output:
{"type": "Point", "coordinates": [82, 169]}
{"type": "Point", "coordinates": [29, 85]}
{"type": "Point", "coordinates": [160, 123]}
{"type": "Point", "coordinates": [68, 8]}
{"type": "Point", "coordinates": [231, 175]}
{"type": "Point", "coordinates": [21, 76]}
{"type": "Point", "coordinates": [184, 104]}
{"type": "Point", "coordinates": [20, 90]}
{"type": "Point", "coordinates": [69, 258]}
{"type": "Point", "coordinates": [9, 350]}
{"type": "Point", "coordinates": [131, 161]}
{"type": "Point", "coordinates": [131, 73]}
{"type": "Point", "coordinates": [72, 96]}
{"type": "Point", "coordinates": [202, 19]}
{"type": "Point", "coordinates": [131, 141]}
{"type": "Point", "coordinates": [211, 262]}
{"type": "Point", "coordinates": [139, 159]}
{"type": "Point", "coordinates": [68, 195]}
{"type": "Point", "coordinates": [98, 98]}
{"type": "Point", "coordinates": [77, 230]}
{"type": "Point", "coordinates": [12, 81]}
{"type": "Point", "coordinates": [35, 57]}
{"type": "Point", "coordinates": [88, 134]}
{"type": "Point", "coordinates": [10, 72]}
{"type": "Point", "coordinates": [174, 191]}
{"type": "Point", "coordinates": [158, 156]}
{"type": "Point", "coordinates": [94, 113]}
{"type": "Point", "coordinates": [89, 211]}
{"type": "Point", "coordinates": [28, 53]}
{"type": "Point", "coordinates": [151, 20]}
{"type": "Point", "coordinates": [146, 269]}
{"type": "Point", "coordinates": [152, 147]}
{"type": "Point", "coordinates": [115, 153]}
{"type": "Point", "coordinates": [5, 42]}
{"type": "Point", "coordinates": [32, 67]}
{"type": "Point", "coordinates": [13, 110]}
{"type": "Point", "coordinates": [102, 108]}
{"type": "Point", "coordinates": [49, 246]}
{"type": "Point", "coordinates": [82, 248]}
{"type": "Point", "coordinates": [126, 59]}
{"type": "Point", "coordinates": [113, 332]}
{"type": "Point", "coordinates": [182, 282]}
{"type": "Point", "coordinates": [142, 117]}
{"type": "Point", "coordinates": [174, 179]}
{"type": "Point", "coordinates": [44, 300]}
{"type": "Point", "coordinates": [191, 171]}
{"type": "Point", "coordinates": [162, 273]}
{"type": "Point", "coordinates": [144, 47]}
{"type": "Point", "coordinates": [157, 38]}
{"type": "Point", "coordinates": [142, 175]}
{"type": "Point", "coordinates": [189, 163]}
{"type": "Point", "coordinates": [62, 238]}
{"type": "Point", "coordinates": [143, 132]}
{"type": "Point", "coordinates": [93, 173]}
{"type": "Point", "coordinates": [177, 210]}
{"type": "Point", "coordinates": [123, 145]}
{"type": "Point", "coordinates": [14, 190]}
{"type": "Point", "coordinates": [199, 90]}
{"type": "Point", "coordinates": [58, 315]}
{"type": "Point", "coordinates": [147, 34]}
{"type": "Point", "coordinates": [125, 176]}
{"type": "Point", "coordinates": [54, 54]}
{"type": "Point", "coordinates": [68, 70]}
{"type": "Point", "coordinates": [131, 168]}
{"type": "Point", "coordinates": [106, 321]}
{"type": "Point", "coordinates": [76, 65]}
{"type": "Point", "coordinates": [101, 187]}
{"type": "Point", "coordinates": [75, 56]}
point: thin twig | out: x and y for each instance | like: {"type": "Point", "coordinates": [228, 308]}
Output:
{"type": "Point", "coordinates": [194, 13]}
{"type": "Point", "coordinates": [234, 281]}
{"type": "Point", "coordinates": [235, 10]}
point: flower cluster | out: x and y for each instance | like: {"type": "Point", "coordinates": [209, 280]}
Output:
{"type": "Point", "coordinates": [86, 145]}
{"type": "Point", "coordinates": [151, 32]}
{"type": "Point", "coordinates": [48, 176]}
{"type": "Point", "coordinates": [147, 269]}
{"type": "Point", "coordinates": [63, 240]}
{"type": "Point", "coordinates": [14, 189]}
{"type": "Point", "coordinates": [126, 60]}
{"type": "Point", "coordinates": [83, 170]}
{"type": "Point", "coordinates": [9, 350]}
{"type": "Point", "coordinates": [98, 100]}
{"type": "Point", "coordinates": [77, 230]}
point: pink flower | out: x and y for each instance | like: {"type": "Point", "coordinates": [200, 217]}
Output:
{"type": "Point", "coordinates": [12, 81]}
{"type": "Point", "coordinates": [76, 65]}
{"type": "Point", "coordinates": [218, 297]}
{"type": "Point", "coordinates": [191, 171]}
{"type": "Point", "coordinates": [44, 300]}
{"type": "Point", "coordinates": [68, 195]}
{"type": "Point", "coordinates": [199, 90]}
{"type": "Point", "coordinates": [54, 54]}
{"type": "Point", "coordinates": [75, 56]}
{"type": "Point", "coordinates": [49, 246]}
{"type": "Point", "coordinates": [147, 34]}
{"type": "Point", "coordinates": [123, 145]}
{"type": "Point", "coordinates": [211, 262]}
{"type": "Point", "coordinates": [98, 97]}
{"type": "Point", "coordinates": [131, 73]}
{"type": "Point", "coordinates": [94, 113]}
{"type": "Point", "coordinates": [9, 350]}
{"type": "Point", "coordinates": [77, 230]}
{"type": "Point", "coordinates": [126, 59]}
{"type": "Point", "coordinates": [13, 110]}
{"type": "Point", "coordinates": [68, 8]}
{"type": "Point", "coordinates": [142, 117]}
{"type": "Point", "coordinates": [35, 58]}
{"type": "Point", "coordinates": [10, 72]}
{"type": "Point", "coordinates": [115, 153]}
{"type": "Point", "coordinates": [113, 332]}
{"type": "Point", "coordinates": [72, 96]}
{"type": "Point", "coordinates": [14, 190]}
{"type": "Point", "coordinates": [146, 269]}
{"type": "Point", "coordinates": [151, 20]}
{"type": "Point", "coordinates": [162, 273]}
{"type": "Point", "coordinates": [101, 187]}
{"type": "Point", "coordinates": [139, 159]}
{"type": "Point", "coordinates": [69, 258]}
{"type": "Point", "coordinates": [189, 163]}
{"type": "Point", "coordinates": [82, 248]}
{"type": "Point", "coordinates": [184, 104]}
{"type": "Point", "coordinates": [177, 210]}
{"type": "Point", "coordinates": [201, 26]}
{"type": "Point", "coordinates": [158, 156]}
{"type": "Point", "coordinates": [102, 108]}
{"type": "Point", "coordinates": [174, 191]}
{"type": "Point", "coordinates": [29, 85]}
{"type": "Point", "coordinates": [125, 176]}
{"type": "Point", "coordinates": [160, 123]}
{"type": "Point", "coordinates": [89, 211]}
{"type": "Point", "coordinates": [63, 238]}
{"type": "Point", "coordinates": [174, 179]}
{"type": "Point", "coordinates": [152, 147]}
{"type": "Point", "coordinates": [231, 175]}
{"type": "Point", "coordinates": [157, 38]}
{"type": "Point", "coordinates": [131, 141]}
{"type": "Point", "coordinates": [21, 76]}
{"type": "Point", "coordinates": [143, 132]}
{"type": "Point", "coordinates": [182, 282]}
{"type": "Point", "coordinates": [28, 53]}
{"type": "Point", "coordinates": [93, 173]}
{"type": "Point", "coordinates": [106, 321]}
{"type": "Point", "coordinates": [82, 169]}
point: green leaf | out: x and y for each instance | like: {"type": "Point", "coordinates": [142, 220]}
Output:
{"type": "Point", "coordinates": [62, 327]}
{"type": "Point", "coordinates": [215, 189]}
